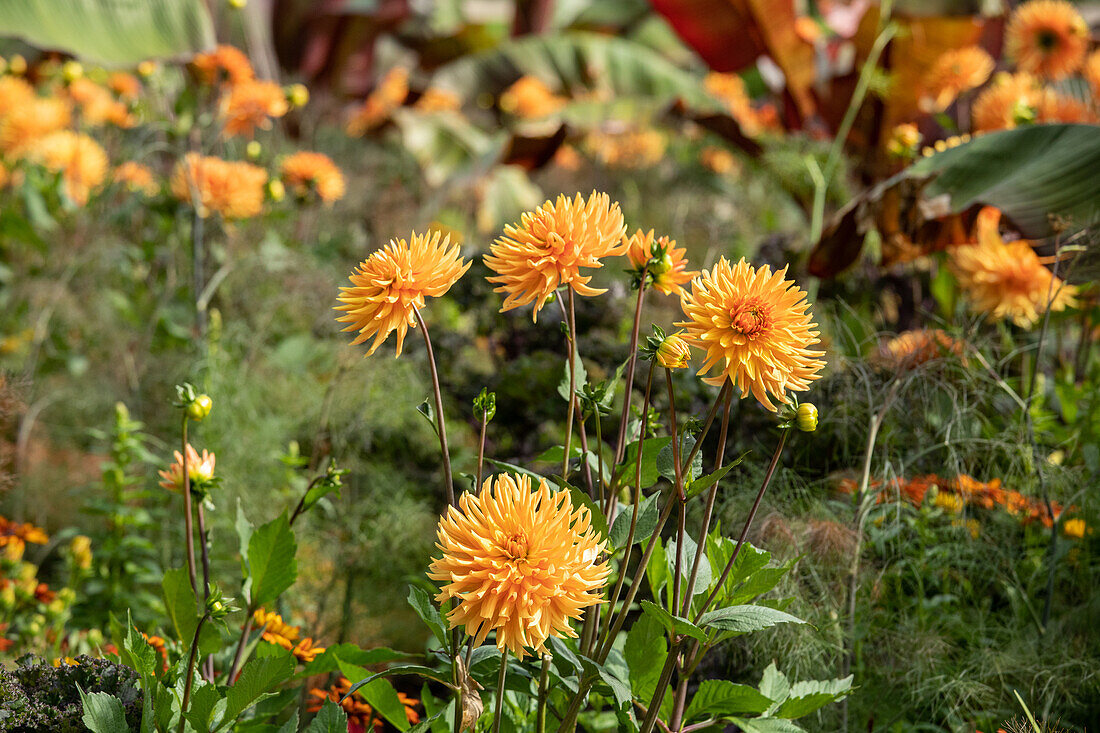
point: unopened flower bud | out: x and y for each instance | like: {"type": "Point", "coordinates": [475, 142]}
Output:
{"type": "Point", "coordinates": [238, 4]}
{"type": "Point", "coordinates": [297, 95]}
{"type": "Point", "coordinates": [276, 190]}
{"type": "Point", "coordinates": [146, 68]}
{"type": "Point", "coordinates": [200, 407]}
{"type": "Point", "coordinates": [660, 265]}
{"type": "Point", "coordinates": [72, 70]}
{"type": "Point", "coordinates": [806, 417]}
{"type": "Point", "coordinates": [253, 149]}
{"type": "Point", "coordinates": [673, 353]}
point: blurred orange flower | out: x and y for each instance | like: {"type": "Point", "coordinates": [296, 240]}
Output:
{"type": "Point", "coordinates": [251, 104]}
{"type": "Point", "coordinates": [381, 102]}
{"type": "Point", "coordinates": [79, 159]}
{"type": "Point", "coordinates": [435, 99]}
{"type": "Point", "coordinates": [913, 348]}
{"type": "Point", "coordinates": [1010, 100]}
{"type": "Point", "coordinates": [629, 149]}
{"type": "Point", "coordinates": [97, 105]}
{"type": "Point", "coordinates": [530, 98]}
{"type": "Point", "coordinates": [304, 172]}
{"type": "Point", "coordinates": [1047, 37]}
{"type": "Point", "coordinates": [730, 90]}
{"type": "Point", "coordinates": [955, 72]}
{"type": "Point", "coordinates": [136, 178]}
{"type": "Point", "coordinates": [223, 64]}
{"type": "Point", "coordinates": [233, 189]}
{"type": "Point", "coordinates": [32, 120]}
{"type": "Point", "coordinates": [126, 86]}
{"type": "Point", "coordinates": [359, 712]}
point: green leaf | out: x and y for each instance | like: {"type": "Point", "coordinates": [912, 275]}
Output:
{"type": "Point", "coordinates": [766, 725]}
{"type": "Point", "coordinates": [627, 471]}
{"type": "Point", "coordinates": [103, 713]}
{"type": "Point", "coordinates": [244, 533]}
{"type": "Point", "coordinates": [580, 498]}
{"type": "Point", "coordinates": [427, 409]}
{"type": "Point", "coordinates": [703, 483]}
{"type": "Point", "coordinates": [328, 660]}
{"type": "Point", "coordinates": [719, 698]}
{"type": "Point", "coordinates": [447, 145]}
{"type": "Point", "coordinates": [272, 564]}
{"type": "Point", "coordinates": [411, 669]}
{"type": "Point", "coordinates": [505, 194]}
{"type": "Point", "coordinates": [645, 651]}
{"type": "Point", "coordinates": [745, 619]}
{"type": "Point", "coordinates": [620, 690]}
{"type": "Point", "coordinates": [672, 623]}
{"type": "Point", "coordinates": [260, 677]}
{"type": "Point", "coordinates": [648, 514]}
{"type": "Point", "coordinates": [667, 468]}
{"type": "Point", "coordinates": [581, 377]}
{"type": "Point", "coordinates": [111, 32]}
{"type": "Point", "coordinates": [204, 699]}
{"type": "Point", "coordinates": [331, 718]}
{"type": "Point", "coordinates": [553, 454]}
{"type": "Point", "coordinates": [657, 571]}
{"type": "Point", "coordinates": [806, 697]}
{"type": "Point", "coordinates": [774, 684]}
{"type": "Point", "coordinates": [421, 602]}
{"type": "Point", "coordinates": [378, 693]}
{"type": "Point", "coordinates": [180, 601]}
{"type": "Point", "coordinates": [703, 579]}
{"type": "Point", "coordinates": [291, 726]}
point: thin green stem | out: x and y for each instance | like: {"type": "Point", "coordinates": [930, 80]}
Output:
{"type": "Point", "coordinates": [500, 691]}
{"type": "Point", "coordinates": [191, 671]}
{"type": "Point", "coordinates": [189, 529]}
{"type": "Point", "coordinates": [570, 316]}
{"type": "Point", "coordinates": [540, 711]}
{"type": "Point", "coordinates": [620, 443]}
{"type": "Point", "coordinates": [448, 484]}
{"type": "Point", "coordinates": [481, 449]}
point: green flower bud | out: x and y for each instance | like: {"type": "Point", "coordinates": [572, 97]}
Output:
{"type": "Point", "coordinates": [806, 417]}
{"type": "Point", "coordinates": [200, 407]}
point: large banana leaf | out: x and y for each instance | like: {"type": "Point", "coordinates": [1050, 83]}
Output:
{"type": "Point", "coordinates": [111, 32]}
{"type": "Point", "coordinates": [1042, 177]}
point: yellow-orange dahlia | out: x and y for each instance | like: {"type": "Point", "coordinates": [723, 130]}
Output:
{"type": "Point", "coordinates": [200, 470]}
{"type": "Point", "coordinates": [137, 178]}
{"type": "Point", "coordinates": [755, 329]}
{"type": "Point", "coordinates": [630, 149]}
{"type": "Point", "coordinates": [435, 99]}
{"type": "Point", "coordinates": [223, 64]}
{"type": "Point", "coordinates": [359, 713]}
{"type": "Point", "coordinates": [667, 271]}
{"type": "Point", "coordinates": [1074, 528]}
{"type": "Point", "coordinates": [1055, 107]}
{"type": "Point", "coordinates": [551, 244]}
{"type": "Point", "coordinates": [1092, 73]}
{"type": "Point", "coordinates": [1006, 279]}
{"type": "Point", "coordinates": [15, 91]}
{"type": "Point", "coordinates": [1010, 100]}
{"type": "Point", "coordinates": [518, 561]}
{"type": "Point", "coordinates": [275, 630]}
{"type": "Point", "coordinates": [97, 105]}
{"type": "Point", "coordinates": [305, 171]}
{"type": "Point", "coordinates": [233, 189]}
{"type": "Point", "coordinates": [912, 348]}
{"type": "Point", "coordinates": [530, 98]}
{"type": "Point", "coordinates": [387, 286]}
{"type": "Point", "coordinates": [955, 72]}
{"type": "Point", "coordinates": [22, 126]}
{"type": "Point", "coordinates": [79, 159]}
{"type": "Point", "coordinates": [252, 104]}
{"type": "Point", "coordinates": [381, 102]}
{"type": "Point", "coordinates": [126, 86]}
{"type": "Point", "coordinates": [1047, 37]}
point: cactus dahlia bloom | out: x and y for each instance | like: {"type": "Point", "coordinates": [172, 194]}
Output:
{"type": "Point", "coordinates": [755, 329]}
{"type": "Point", "coordinates": [22, 126]}
{"type": "Point", "coordinates": [137, 178]}
{"type": "Point", "coordinates": [79, 159]}
{"type": "Point", "coordinates": [551, 244]}
{"type": "Point", "coordinates": [199, 468]}
{"type": "Point", "coordinates": [304, 171]}
{"type": "Point", "coordinates": [394, 280]}
{"type": "Point", "coordinates": [251, 104]}
{"type": "Point", "coordinates": [1009, 100]}
{"type": "Point", "coordinates": [1007, 279]}
{"type": "Point", "coordinates": [955, 72]}
{"type": "Point", "coordinates": [669, 270]}
{"type": "Point", "coordinates": [1048, 38]}
{"type": "Point", "coordinates": [233, 189]}
{"type": "Point", "coordinates": [518, 561]}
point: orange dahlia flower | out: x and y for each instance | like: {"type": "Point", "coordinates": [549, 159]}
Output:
{"type": "Point", "coordinates": [223, 64]}
{"type": "Point", "coordinates": [435, 99]}
{"type": "Point", "coordinates": [955, 72]}
{"type": "Point", "coordinates": [137, 178]}
{"type": "Point", "coordinates": [275, 630]}
{"type": "Point", "coordinates": [15, 91]}
{"type": "Point", "coordinates": [252, 104]}
{"type": "Point", "coordinates": [97, 105]}
{"type": "Point", "coordinates": [667, 271]}
{"type": "Point", "coordinates": [1055, 107]}
{"type": "Point", "coordinates": [381, 102]}
{"type": "Point", "coordinates": [1048, 38]}
{"type": "Point", "coordinates": [518, 561]}
{"type": "Point", "coordinates": [1010, 100]}
{"type": "Point", "coordinates": [631, 149]}
{"type": "Point", "coordinates": [1092, 73]}
{"type": "Point", "coordinates": [31, 121]}
{"type": "Point", "coordinates": [730, 90]}
{"type": "Point", "coordinates": [359, 712]}
{"type": "Point", "coordinates": [1006, 279]}
{"type": "Point", "coordinates": [233, 189]}
{"type": "Point", "coordinates": [126, 86]}
{"type": "Point", "coordinates": [530, 98]}
{"type": "Point", "coordinates": [755, 329]}
{"type": "Point", "coordinates": [1074, 528]}
{"type": "Point", "coordinates": [304, 172]}
{"type": "Point", "coordinates": [79, 159]}
{"type": "Point", "coordinates": [393, 281]}
{"type": "Point", "coordinates": [550, 245]}
{"type": "Point", "coordinates": [200, 469]}
{"type": "Point", "coordinates": [913, 348]}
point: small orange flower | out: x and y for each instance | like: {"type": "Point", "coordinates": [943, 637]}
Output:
{"type": "Point", "coordinates": [1048, 38]}
{"type": "Point", "coordinates": [275, 630]}
{"type": "Point", "coordinates": [718, 160]}
{"type": "Point", "coordinates": [223, 64]}
{"type": "Point", "coordinates": [435, 99]}
{"type": "Point", "coordinates": [233, 189]}
{"type": "Point", "coordinates": [395, 280]}
{"type": "Point", "coordinates": [956, 71]}
{"type": "Point", "coordinates": [200, 469]}
{"type": "Point", "coordinates": [97, 105]}
{"type": "Point", "coordinates": [380, 103]}
{"type": "Point", "coordinates": [21, 127]}
{"type": "Point", "coordinates": [667, 270]}
{"type": "Point", "coordinates": [549, 247]}
{"type": "Point", "coordinates": [16, 533]}
{"type": "Point", "coordinates": [518, 561]}
{"type": "Point", "coordinates": [1074, 528]}
{"type": "Point", "coordinates": [913, 348]}
{"type": "Point", "coordinates": [630, 149]}
{"type": "Point", "coordinates": [126, 86]}
{"type": "Point", "coordinates": [1092, 73]}
{"type": "Point", "coordinates": [79, 159]}
{"type": "Point", "coordinates": [305, 652]}
{"type": "Point", "coordinates": [730, 90]}
{"type": "Point", "coordinates": [530, 98]}
{"type": "Point", "coordinates": [251, 104]}
{"type": "Point", "coordinates": [1010, 100]}
{"type": "Point", "coordinates": [903, 140]}
{"type": "Point", "coordinates": [1006, 279]}
{"type": "Point", "coordinates": [305, 172]}
{"type": "Point", "coordinates": [755, 329]}
{"type": "Point", "coordinates": [359, 712]}
{"type": "Point", "coordinates": [158, 645]}
{"type": "Point", "coordinates": [1055, 107]}
{"type": "Point", "coordinates": [15, 91]}
{"type": "Point", "coordinates": [137, 178]}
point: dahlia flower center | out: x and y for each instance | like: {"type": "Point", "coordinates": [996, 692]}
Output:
{"type": "Point", "coordinates": [750, 317]}
{"type": "Point", "coordinates": [516, 547]}
{"type": "Point", "coordinates": [1047, 39]}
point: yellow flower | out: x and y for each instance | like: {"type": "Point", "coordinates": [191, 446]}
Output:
{"type": "Point", "coordinates": [137, 178]}
{"type": "Point", "coordinates": [200, 469]}
{"type": "Point", "coordinates": [79, 159]}
{"type": "Point", "coordinates": [903, 140]}
{"type": "Point", "coordinates": [530, 98]}
{"type": "Point", "coordinates": [1074, 528]}
{"type": "Point", "coordinates": [949, 502]}
{"type": "Point", "coordinates": [23, 126]}
{"type": "Point", "coordinates": [550, 245]}
{"type": "Point", "coordinates": [305, 171]}
{"type": "Point", "coordinates": [1006, 279]}
{"type": "Point", "coordinates": [233, 189]}
{"type": "Point", "coordinates": [1010, 100]}
{"type": "Point", "coordinates": [667, 270]}
{"type": "Point", "coordinates": [224, 63]}
{"type": "Point", "coordinates": [388, 285]}
{"type": "Point", "coordinates": [275, 630]}
{"type": "Point", "coordinates": [380, 103]}
{"type": "Point", "coordinates": [673, 352]}
{"type": "Point", "coordinates": [14, 92]}
{"type": "Point", "coordinates": [251, 104]}
{"type": "Point", "coordinates": [518, 561]}
{"type": "Point", "coordinates": [81, 550]}
{"type": "Point", "coordinates": [1047, 37]}
{"type": "Point", "coordinates": [297, 95]}
{"type": "Point", "coordinates": [755, 328]}
{"type": "Point", "coordinates": [956, 71]}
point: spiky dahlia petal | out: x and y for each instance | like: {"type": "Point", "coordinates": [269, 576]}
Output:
{"type": "Point", "coordinates": [551, 244]}
{"type": "Point", "coordinates": [755, 328]}
{"type": "Point", "coordinates": [1048, 38]}
{"type": "Point", "coordinates": [387, 286]}
{"type": "Point", "coordinates": [520, 561]}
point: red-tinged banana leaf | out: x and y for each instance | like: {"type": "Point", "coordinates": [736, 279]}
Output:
{"type": "Point", "coordinates": [731, 34]}
{"type": "Point", "coordinates": [1042, 177]}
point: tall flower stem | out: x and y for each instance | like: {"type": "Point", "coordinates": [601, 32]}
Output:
{"type": "Point", "coordinates": [208, 666]}
{"type": "Point", "coordinates": [481, 449]}
{"type": "Point", "coordinates": [571, 323]}
{"type": "Point", "coordinates": [620, 444]}
{"type": "Point", "coordinates": [238, 656]}
{"type": "Point", "coordinates": [191, 671]}
{"type": "Point", "coordinates": [448, 485]}
{"type": "Point", "coordinates": [674, 600]}
{"type": "Point", "coordinates": [500, 691]}
{"type": "Point", "coordinates": [189, 529]}
{"type": "Point", "coordinates": [540, 711]}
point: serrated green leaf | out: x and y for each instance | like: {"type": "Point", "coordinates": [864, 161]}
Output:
{"type": "Point", "coordinates": [809, 695]}
{"type": "Point", "coordinates": [627, 471]}
{"type": "Point", "coordinates": [672, 623]}
{"type": "Point", "coordinates": [746, 619]}
{"type": "Point", "coordinates": [421, 602]}
{"type": "Point", "coordinates": [244, 530]}
{"type": "Point", "coordinates": [103, 713]}
{"type": "Point", "coordinates": [181, 604]}
{"type": "Point", "coordinates": [272, 564]}
{"type": "Point", "coordinates": [204, 699]}
{"type": "Point", "coordinates": [645, 651]}
{"type": "Point", "coordinates": [331, 718]}
{"type": "Point", "coordinates": [579, 498]}
{"type": "Point", "coordinates": [719, 698]}
{"type": "Point", "coordinates": [703, 579]}
{"type": "Point", "coordinates": [774, 684]}
{"type": "Point", "coordinates": [259, 677]}
{"type": "Point", "coordinates": [648, 514]}
{"type": "Point", "coordinates": [766, 725]}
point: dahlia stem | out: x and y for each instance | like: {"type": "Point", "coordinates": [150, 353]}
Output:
{"type": "Point", "coordinates": [208, 666]}
{"type": "Point", "coordinates": [540, 712]}
{"type": "Point", "coordinates": [500, 690]}
{"type": "Point", "coordinates": [448, 485]}
{"type": "Point", "coordinates": [620, 444]}
{"type": "Point", "coordinates": [238, 657]}
{"type": "Point", "coordinates": [571, 325]}
{"type": "Point", "coordinates": [481, 449]}
{"type": "Point", "coordinates": [674, 599]}
{"type": "Point", "coordinates": [706, 425]}
{"type": "Point", "coordinates": [189, 530]}
{"type": "Point", "coordinates": [191, 671]}
{"type": "Point", "coordinates": [662, 683]}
